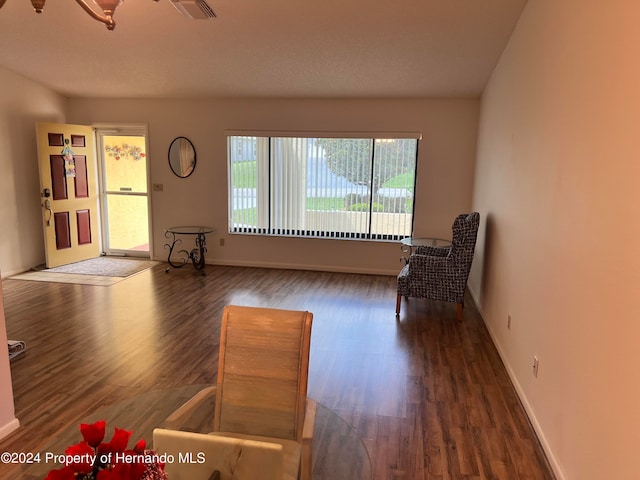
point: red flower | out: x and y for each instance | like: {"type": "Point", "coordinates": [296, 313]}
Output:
{"type": "Point", "coordinates": [119, 440]}
{"type": "Point", "coordinates": [140, 446]}
{"type": "Point", "coordinates": [108, 475]}
{"type": "Point", "coordinates": [94, 458]}
{"type": "Point", "coordinates": [121, 471]}
{"type": "Point", "coordinates": [93, 434]}
{"type": "Point", "coordinates": [84, 453]}
{"type": "Point", "coordinates": [136, 470]}
{"type": "Point", "coordinates": [65, 473]}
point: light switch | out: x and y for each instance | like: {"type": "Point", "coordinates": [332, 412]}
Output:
{"type": "Point", "coordinates": [158, 187]}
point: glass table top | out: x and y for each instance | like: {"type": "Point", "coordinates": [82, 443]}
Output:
{"type": "Point", "coordinates": [425, 242]}
{"type": "Point", "coordinates": [190, 230]}
{"type": "Point", "coordinates": [337, 452]}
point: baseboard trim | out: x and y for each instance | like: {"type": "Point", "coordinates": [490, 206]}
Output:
{"type": "Point", "coordinates": [310, 267]}
{"type": "Point", "coordinates": [10, 427]}
{"type": "Point", "coordinates": [11, 273]}
{"type": "Point", "coordinates": [551, 458]}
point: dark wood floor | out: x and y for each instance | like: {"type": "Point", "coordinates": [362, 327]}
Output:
{"type": "Point", "coordinates": [427, 394]}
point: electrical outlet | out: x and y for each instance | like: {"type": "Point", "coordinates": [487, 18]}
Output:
{"type": "Point", "coordinates": [222, 242]}
{"type": "Point", "coordinates": [508, 322]}
{"type": "Point", "coordinates": [536, 364]}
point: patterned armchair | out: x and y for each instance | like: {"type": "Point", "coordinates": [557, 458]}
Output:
{"type": "Point", "coordinates": [440, 273]}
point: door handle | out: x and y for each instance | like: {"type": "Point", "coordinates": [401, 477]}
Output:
{"type": "Point", "coordinates": [47, 205]}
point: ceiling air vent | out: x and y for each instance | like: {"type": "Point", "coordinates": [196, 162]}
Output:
{"type": "Point", "coordinates": [194, 8]}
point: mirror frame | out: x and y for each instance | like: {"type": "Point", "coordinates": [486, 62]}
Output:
{"type": "Point", "coordinates": [174, 157]}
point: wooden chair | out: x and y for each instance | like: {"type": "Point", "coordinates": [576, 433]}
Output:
{"type": "Point", "coordinates": [261, 390]}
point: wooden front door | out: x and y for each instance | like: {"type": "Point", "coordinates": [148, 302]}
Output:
{"type": "Point", "coordinates": [68, 190]}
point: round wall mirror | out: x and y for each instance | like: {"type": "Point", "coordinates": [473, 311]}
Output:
{"type": "Point", "coordinates": [182, 157]}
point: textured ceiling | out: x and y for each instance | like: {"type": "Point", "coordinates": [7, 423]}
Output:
{"type": "Point", "coordinates": [264, 48]}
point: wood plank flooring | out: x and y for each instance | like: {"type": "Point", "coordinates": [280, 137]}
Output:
{"type": "Point", "coordinates": [427, 394]}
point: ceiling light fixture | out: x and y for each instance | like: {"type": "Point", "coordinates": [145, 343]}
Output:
{"type": "Point", "coordinates": [108, 8]}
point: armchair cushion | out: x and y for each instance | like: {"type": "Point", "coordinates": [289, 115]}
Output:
{"type": "Point", "coordinates": [433, 251]}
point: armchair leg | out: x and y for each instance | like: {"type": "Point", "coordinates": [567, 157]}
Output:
{"type": "Point", "coordinates": [460, 306]}
{"type": "Point", "coordinates": [398, 301]}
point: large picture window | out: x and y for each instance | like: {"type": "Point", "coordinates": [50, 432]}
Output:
{"type": "Point", "coordinates": [357, 188]}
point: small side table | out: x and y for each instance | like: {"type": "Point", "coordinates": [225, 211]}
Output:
{"type": "Point", "coordinates": [408, 244]}
{"type": "Point", "coordinates": [196, 255]}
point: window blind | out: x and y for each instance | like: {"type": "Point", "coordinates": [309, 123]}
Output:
{"type": "Point", "coordinates": [328, 187]}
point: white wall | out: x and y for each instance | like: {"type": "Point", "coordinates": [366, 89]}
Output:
{"type": "Point", "coordinates": [445, 171]}
{"type": "Point", "coordinates": [22, 104]}
{"type": "Point", "coordinates": [557, 183]}
{"type": "Point", "coordinates": [8, 421]}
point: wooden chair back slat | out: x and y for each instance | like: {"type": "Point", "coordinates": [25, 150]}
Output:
{"type": "Point", "coordinates": [262, 371]}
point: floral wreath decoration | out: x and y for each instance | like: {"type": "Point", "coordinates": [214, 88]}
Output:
{"type": "Point", "coordinates": [125, 151]}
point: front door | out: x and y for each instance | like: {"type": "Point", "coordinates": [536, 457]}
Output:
{"type": "Point", "coordinates": [66, 156]}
